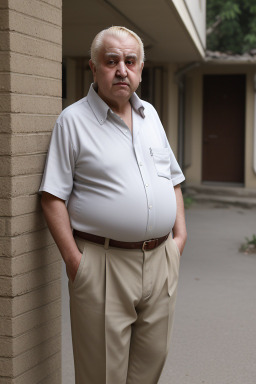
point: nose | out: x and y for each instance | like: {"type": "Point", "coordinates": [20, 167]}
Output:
{"type": "Point", "coordinates": [121, 69]}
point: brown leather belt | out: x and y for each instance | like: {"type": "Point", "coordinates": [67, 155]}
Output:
{"type": "Point", "coordinates": [146, 245]}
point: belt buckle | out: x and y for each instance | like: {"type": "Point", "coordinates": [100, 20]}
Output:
{"type": "Point", "coordinates": [146, 242]}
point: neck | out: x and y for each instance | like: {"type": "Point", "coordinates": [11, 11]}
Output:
{"type": "Point", "coordinates": [124, 111]}
{"type": "Point", "coordinates": [121, 109]}
{"type": "Point", "coordinates": [117, 106]}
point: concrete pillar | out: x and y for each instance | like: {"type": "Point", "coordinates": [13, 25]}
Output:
{"type": "Point", "coordinates": [171, 108]}
{"type": "Point", "coordinates": [250, 179]}
{"type": "Point", "coordinates": [193, 127]}
{"type": "Point", "coordinates": [30, 100]}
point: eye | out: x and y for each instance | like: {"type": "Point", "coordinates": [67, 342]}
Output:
{"type": "Point", "coordinates": [111, 62]}
{"type": "Point", "coordinates": [130, 62]}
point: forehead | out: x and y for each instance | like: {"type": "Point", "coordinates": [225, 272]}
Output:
{"type": "Point", "coordinates": [121, 45]}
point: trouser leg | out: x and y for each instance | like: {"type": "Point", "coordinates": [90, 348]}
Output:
{"type": "Point", "coordinates": [103, 297]}
{"type": "Point", "coordinates": [151, 332]}
{"type": "Point", "coordinates": [87, 312]}
{"type": "Point", "coordinates": [123, 291]}
{"type": "Point", "coordinates": [121, 314]}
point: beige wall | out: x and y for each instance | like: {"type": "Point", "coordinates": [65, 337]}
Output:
{"type": "Point", "coordinates": [194, 119]}
{"type": "Point", "coordinates": [191, 16]}
{"type": "Point", "coordinates": [197, 10]}
{"type": "Point", "coordinates": [30, 99]}
{"type": "Point", "coordinates": [250, 176]}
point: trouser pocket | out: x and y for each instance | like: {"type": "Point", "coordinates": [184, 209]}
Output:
{"type": "Point", "coordinates": [173, 264]}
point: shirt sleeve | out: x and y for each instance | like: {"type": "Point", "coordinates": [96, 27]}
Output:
{"type": "Point", "coordinates": [60, 164]}
{"type": "Point", "coordinates": [177, 175]}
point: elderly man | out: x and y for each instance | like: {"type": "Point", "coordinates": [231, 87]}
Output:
{"type": "Point", "coordinates": [112, 201]}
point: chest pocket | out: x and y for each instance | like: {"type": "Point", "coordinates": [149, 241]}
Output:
{"type": "Point", "coordinates": [162, 161]}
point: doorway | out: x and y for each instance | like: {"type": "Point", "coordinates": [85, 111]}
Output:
{"type": "Point", "coordinates": [223, 128]}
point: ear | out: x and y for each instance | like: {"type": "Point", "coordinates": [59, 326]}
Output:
{"type": "Point", "coordinates": [93, 69]}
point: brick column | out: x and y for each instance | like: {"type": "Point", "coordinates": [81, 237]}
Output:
{"type": "Point", "coordinates": [30, 100]}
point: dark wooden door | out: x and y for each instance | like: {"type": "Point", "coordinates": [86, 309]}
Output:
{"type": "Point", "coordinates": [223, 128]}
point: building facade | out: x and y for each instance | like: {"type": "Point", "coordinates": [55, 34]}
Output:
{"type": "Point", "coordinates": [176, 79]}
{"type": "Point", "coordinates": [220, 123]}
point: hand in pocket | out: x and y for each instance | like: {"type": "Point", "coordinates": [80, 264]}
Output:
{"type": "Point", "coordinates": [73, 265]}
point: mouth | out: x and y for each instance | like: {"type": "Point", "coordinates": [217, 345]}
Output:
{"type": "Point", "coordinates": [122, 83]}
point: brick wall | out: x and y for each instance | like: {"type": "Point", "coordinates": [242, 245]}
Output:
{"type": "Point", "coordinates": [30, 100]}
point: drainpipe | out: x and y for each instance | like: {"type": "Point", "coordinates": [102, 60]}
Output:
{"type": "Point", "coordinates": [179, 78]}
{"type": "Point", "coordinates": [254, 145]}
{"type": "Point", "coordinates": [181, 120]}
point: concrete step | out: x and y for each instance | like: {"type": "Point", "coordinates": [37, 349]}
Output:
{"type": "Point", "coordinates": [221, 194]}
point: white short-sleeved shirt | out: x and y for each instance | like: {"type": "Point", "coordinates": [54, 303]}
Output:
{"type": "Point", "coordinates": [117, 185]}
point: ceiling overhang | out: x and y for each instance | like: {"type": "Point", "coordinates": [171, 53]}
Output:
{"type": "Point", "coordinates": [167, 36]}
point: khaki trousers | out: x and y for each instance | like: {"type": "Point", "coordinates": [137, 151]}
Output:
{"type": "Point", "coordinates": [122, 305]}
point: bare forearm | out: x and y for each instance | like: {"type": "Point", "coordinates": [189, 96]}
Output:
{"type": "Point", "coordinates": [179, 229]}
{"type": "Point", "coordinates": [57, 219]}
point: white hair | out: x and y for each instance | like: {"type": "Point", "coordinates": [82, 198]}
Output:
{"type": "Point", "coordinates": [114, 31]}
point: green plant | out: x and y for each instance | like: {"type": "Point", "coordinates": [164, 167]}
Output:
{"type": "Point", "coordinates": [188, 201]}
{"type": "Point", "coordinates": [231, 25]}
{"type": "Point", "coordinates": [249, 246]}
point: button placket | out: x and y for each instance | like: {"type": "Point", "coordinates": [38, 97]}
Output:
{"type": "Point", "coordinates": [145, 179]}
{"type": "Point", "coordinates": [120, 124]}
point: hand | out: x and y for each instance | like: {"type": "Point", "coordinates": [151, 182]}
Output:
{"type": "Point", "coordinates": [179, 229]}
{"type": "Point", "coordinates": [72, 266]}
{"type": "Point", "coordinates": [180, 243]}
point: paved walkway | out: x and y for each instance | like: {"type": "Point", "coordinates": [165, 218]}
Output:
{"type": "Point", "coordinates": [214, 336]}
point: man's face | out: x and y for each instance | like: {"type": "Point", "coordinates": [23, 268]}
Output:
{"type": "Point", "coordinates": [118, 70]}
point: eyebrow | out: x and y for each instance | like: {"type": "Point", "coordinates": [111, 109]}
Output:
{"type": "Point", "coordinates": [128, 56]}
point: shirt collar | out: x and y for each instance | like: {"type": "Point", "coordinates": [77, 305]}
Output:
{"type": "Point", "coordinates": [137, 105]}
{"type": "Point", "coordinates": [100, 108]}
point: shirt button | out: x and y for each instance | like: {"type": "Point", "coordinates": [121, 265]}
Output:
{"type": "Point", "coordinates": [150, 228]}
{"type": "Point", "coordinates": [150, 206]}
{"type": "Point", "coordinates": [141, 164]}
{"type": "Point", "coordinates": [146, 185]}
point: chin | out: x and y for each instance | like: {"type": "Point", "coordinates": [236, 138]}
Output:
{"type": "Point", "coordinates": [123, 91]}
